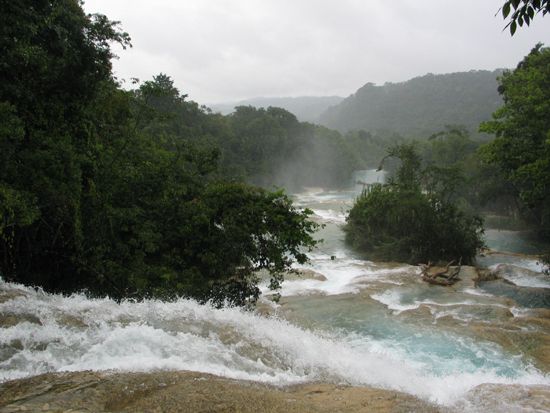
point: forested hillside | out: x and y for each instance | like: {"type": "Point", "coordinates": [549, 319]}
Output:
{"type": "Point", "coordinates": [305, 108]}
{"type": "Point", "coordinates": [270, 147]}
{"type": "Point", "coordinates": [419, 107]}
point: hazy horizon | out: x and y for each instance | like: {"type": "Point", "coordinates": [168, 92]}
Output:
{"type": "Point", "coordinates": [352, 92]}
{"type": "Point", "coordinates": [222, 51]}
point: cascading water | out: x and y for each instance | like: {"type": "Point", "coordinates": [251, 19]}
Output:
{"type": "Point", "coordinates": [349, 321]}
{"type": "Point", "coordinates": [76, 333]}
{"type": "Point", "coordinates": [365, 177]}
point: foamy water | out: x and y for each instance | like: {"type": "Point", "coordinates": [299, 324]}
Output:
{"type": "Point", "coordinates": [357, 324]}
{"type": "Point", "coordinates": [76, 333]}
{"type": "Point", "coordinates": [330, 215]}
{"type": "Point", "coordinates": [392, 299]}
{"type": "Point", "coordinates": [524, 273]}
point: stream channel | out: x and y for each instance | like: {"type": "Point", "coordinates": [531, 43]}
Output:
{"type": "Point", "coordinates": [469, 347]}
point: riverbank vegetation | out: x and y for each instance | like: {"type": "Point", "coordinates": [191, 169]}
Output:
{"type": "Point", "coordinates": [521, 148]}
{"type": "Point", "coordinates": [428, 210]}
{"type": "Point", "coordinates": [123, 192]}
{"type": "Point", "coordinates": [139, 191]}
{"type": "Point", "coordinates": [412, 218]}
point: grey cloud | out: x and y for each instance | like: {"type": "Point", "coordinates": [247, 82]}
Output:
{"type": "Point", "coordinates": [226, 50]}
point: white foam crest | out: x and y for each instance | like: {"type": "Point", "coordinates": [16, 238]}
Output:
{"type": "Point", "coordinates": [460, 376]}
{"type": "Point", "coordinates": [462, 303]}
{"type": "Point", "coordinates": [477, 292]}
{"type": "Point", "coordinates": [530, 264]}
{"type": "Point", "coordinates": [532, 282]}
{"type": "Point", "coordinates": [528, 274]}
{"type": "Point", "coordinates": [343, 275]}
{"type": "Point", "coordinates": [339, 280]}
{"type": "Point", "coordinates": [319, 195]}
{"type": "Point", "coordinates": [392, 299]}
{"type": "Point", "coordinates": [152, 335]}
{"type": "Point", "coordinates": [456, 314]}
{"type": "Point", "coordinates": [520, 312]}
{"type": "Point", "coordinates": [331, 215]}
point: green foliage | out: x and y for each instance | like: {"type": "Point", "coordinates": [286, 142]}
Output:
{"type": "Point", "coordinates": [119, 192]}
{"type": "Point", "coordinates": [418, 107]}
{"type": "Point", "coordinates": [368, 148]}
{"type": "Point", "coordinates": [408, 176]}
{"type": "Point", "coordinates": [521, 148]}
{"type": "Point", "coordinates": [53, 58]}
{"type": "Point", "coordinates": [406, 221]}
{"type": "Point", "coordinates": [17, 207]}
{"type": "Point", "coordinates": [249, 229]}
{"type": "Point", "coordinates": [454, 169]}
{"type": "Point", "coordinates": [270, 147]}
{"type": "Point", "coordinates": [523, 12]}
{"type": "Point", "coordinates": [54, 61]}
{"type": "Point", "coordinates": [306, 108]}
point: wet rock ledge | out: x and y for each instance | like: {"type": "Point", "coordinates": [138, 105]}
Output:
{"type": "Point", "coordinates": [168, 392]}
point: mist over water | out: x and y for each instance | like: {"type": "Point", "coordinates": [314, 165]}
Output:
{"type": "Point", "coordinates": [347, 320]}
{"type": "Point", "coordinates": [368, 176]}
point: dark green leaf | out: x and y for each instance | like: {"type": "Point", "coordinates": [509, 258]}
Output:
{"type": "Point", "coordinates": [506, 9]}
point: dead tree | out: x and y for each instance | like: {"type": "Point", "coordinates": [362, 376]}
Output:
{"type": "Point", "coordinates": [438, 276]}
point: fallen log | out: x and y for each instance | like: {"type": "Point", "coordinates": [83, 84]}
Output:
{"type": "Point", "coordinates": [444, 282]}
{"type": "Point", "coordinates": [445, 277]}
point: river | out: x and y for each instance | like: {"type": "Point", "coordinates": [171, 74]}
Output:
{"type": "Point", "coordinates": [348, 320]}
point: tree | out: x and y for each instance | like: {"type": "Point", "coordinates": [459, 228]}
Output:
{"type": "Point", "coordinates": [521, 148]}
{"type": "Point", "coordinates": [54, 58]}
{"type": "Point", "coordinates": [405, 221]}
{"type": "Point", "coordinates": [270, 147]}
{"type": "Point", "coordinates": [55, 61]}
{"type": "Point", "coordinates": [523, 12]}
{"type": "Point", "coordinates": [118, 192]}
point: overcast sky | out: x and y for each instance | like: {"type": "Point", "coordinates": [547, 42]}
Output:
{"type": "Point", "coordinates": [228, 50]}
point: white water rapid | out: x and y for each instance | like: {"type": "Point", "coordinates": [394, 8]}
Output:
{"type": "Point", "coordinates": [347, 321]}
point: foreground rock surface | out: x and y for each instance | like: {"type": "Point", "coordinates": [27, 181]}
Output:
{"type": "Point", "coordinates": [191, 392]}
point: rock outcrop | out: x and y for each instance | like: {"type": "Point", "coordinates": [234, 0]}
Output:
{"type": "Point", "coordinates": [169, 392]}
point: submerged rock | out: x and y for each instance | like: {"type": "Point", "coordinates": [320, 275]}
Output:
{"type": "Point", "coordinates": [527, 297]}
{"type": "Point", "coordinates": [10, 319]}
{"type": "Point", "coordinates": [528, 337]}
{"type": "Point", "coordinates": [509, 270]}
{"type": "Point", "coordinates": [485, 274]}
{"type": "Point", "coordinates": [7, 294]}
{"type": "Point", "coordinates": [192, 392]}
{"type": "Point", "coordinates": [507, 398]}
{"type": "Point", "coordinates": [306, 274]}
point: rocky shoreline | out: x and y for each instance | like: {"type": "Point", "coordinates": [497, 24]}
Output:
{"type": "Point", "coordinates": [183, 391]}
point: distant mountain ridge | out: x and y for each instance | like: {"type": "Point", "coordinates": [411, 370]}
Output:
{"type": "Point", "coordinates": [305, 108]}
{"type": "Point", "coordinates": [420, 106]}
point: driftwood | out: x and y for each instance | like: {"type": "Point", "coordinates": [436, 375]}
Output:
{"type": "Point", "coordinates": [446, 276]}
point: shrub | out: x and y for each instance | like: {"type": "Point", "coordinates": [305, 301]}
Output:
{"type": "Point", "coordinates": [400, 221]}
